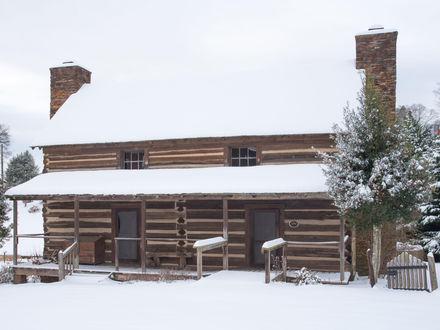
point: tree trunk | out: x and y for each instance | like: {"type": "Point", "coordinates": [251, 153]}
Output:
{"type": "Point", "coordinates": [377, 247]}
{"type": "Point", "coordinates": [353, 253]}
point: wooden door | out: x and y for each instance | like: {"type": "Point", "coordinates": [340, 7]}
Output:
{"type": "Point", "coordinates": [265, 227]}
{"type": "Point", "coordinates": [127, 225]}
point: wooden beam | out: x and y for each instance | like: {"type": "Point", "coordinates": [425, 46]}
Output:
{"type": "Point", "coordinates": [432, 273]}
{"type": "Point", "coordinates": [142, 245]}
{"type": "Point", "coordinates": [76, 229]}
{"type": "Point", "coordinates": [116, 255]}
{"type": "Point", "coordinates": [267, 266]}
{"type": "Point", "coordinates": [15, 227]}
{"type": "Point", "coordinates": [225, 235]}
{"type": "Point", "coordinates": [342, 250]}
{"type": "Point", "coordinates": [171, 197]}
{"type": "Point", "coordinates": [199, 264]}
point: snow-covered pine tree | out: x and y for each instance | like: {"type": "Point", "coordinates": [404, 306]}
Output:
{"type": "Point", "coordinates": [428, 229]}
{"type": "Point", "coordinates": [382, 170]}
{"type": "Point", "coordinates": [20, 169]}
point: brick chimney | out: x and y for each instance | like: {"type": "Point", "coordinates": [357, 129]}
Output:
{"type": "Point", "coordinates": [376, 54]}
{"type": "Point", "coordinates": [66, 80]}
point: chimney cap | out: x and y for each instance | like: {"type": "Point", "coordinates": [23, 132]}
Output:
{"type": "Point", "coordinates": [375, 27]}
{"type": "Point", "coordinates": [69, 63]}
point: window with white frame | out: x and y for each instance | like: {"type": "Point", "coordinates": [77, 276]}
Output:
{"type": "Point", "coordinates": [244, 156]}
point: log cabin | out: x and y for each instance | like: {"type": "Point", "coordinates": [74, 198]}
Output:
{"type": "Point", "coordinates": [131, 180]}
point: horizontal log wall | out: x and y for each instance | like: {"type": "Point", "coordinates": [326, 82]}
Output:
{"type": "Point", "coordinates": [77, 159]}
{"type": "Point", "coordinates": [95, 220]}
{"type": "Point", "coordinates": [201, 152]}
{"type": "Point", "coordinates": [189, 220]}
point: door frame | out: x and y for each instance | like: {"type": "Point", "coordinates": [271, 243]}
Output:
{"type": "Point", "coordinates": [249, 210]}
{"type": "Point", "coordinates": [125, 207]}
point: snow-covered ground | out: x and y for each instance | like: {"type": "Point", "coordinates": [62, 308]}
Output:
{"type": "Point", "coordinates": [225, 300]}
{"type": "Point", "coordinates": [28, 223]}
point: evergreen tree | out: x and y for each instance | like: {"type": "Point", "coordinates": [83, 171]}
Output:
{"type": "Point", "coordinates": [5, 141]}
{"type": "Point", "coordinates": [20, 169]}
{"type": "Point", "coordinates": [382, 170]}
{"type": "Point", "coordinates": [4, 219]}
{"type": "Point", "coordinates": [429, 226]}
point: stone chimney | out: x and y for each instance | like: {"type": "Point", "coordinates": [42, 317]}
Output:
{"type": "Point", "coordinates": [376, 54]}
{"type": "Point", "coordinates": [66, 80]}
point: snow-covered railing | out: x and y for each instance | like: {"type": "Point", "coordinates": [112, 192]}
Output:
{"type": "Point", "coordinates": [266, 249]}
{"type": "Point", "coordinates": [280, 243]}
{"type": "Point", "coordinates": [210, 244]}
{"type": "Point", "coordinates": [68, 260]}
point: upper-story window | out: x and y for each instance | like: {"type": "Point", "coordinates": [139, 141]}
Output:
{"type": "Point", "coordinates": [133, 160]}
{"type": "Point", "coordinates": [243, 156]}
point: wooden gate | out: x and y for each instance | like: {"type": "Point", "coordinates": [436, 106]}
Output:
{"type": "Point", "coordinates": [407, 272]}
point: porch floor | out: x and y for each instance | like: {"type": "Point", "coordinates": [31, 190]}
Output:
{"type": "Point", "coordinates": [51, 269]}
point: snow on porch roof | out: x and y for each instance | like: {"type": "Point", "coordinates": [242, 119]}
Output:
{"type": "Point", "coordinates": [268, 179]}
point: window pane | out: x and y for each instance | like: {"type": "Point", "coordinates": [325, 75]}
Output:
{"type": "Point", "coordinates": [252, 152]}
{"type": "Point", "coordinates": [252, 162]}
{"type": "Point", "coordinates": [243, 152]}
{"type": "Point", "coordinates": [127, 156]}
{"type": "Point", "coordinates": [243, 162]}
{"type": "Point", "coordinates": [141, 165]}
{"type": "Point", "coordinates": [134, 166]}
{"type": "Point", "coordinates": [234, 162]}
{"type": "Point", "coordinates": [141, 156]}
{"type": "Point", "coordinates": [127, 165]}
{"type": "Point", "coordinates": [134, 156]}
{"type": "Point", "coordinates": [234, 152]}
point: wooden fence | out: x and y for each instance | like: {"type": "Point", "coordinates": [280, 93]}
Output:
{"type": "Point", "coordinates": [407, 272]}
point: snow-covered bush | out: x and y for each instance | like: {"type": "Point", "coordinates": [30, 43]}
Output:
{"type": "Point", "coordinates": [6, 275]}
{"type": "Point", "coordinates": [305, 276]}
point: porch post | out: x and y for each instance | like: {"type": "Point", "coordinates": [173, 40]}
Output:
{"type": "Point", "coordinates": [142, 245]}
{"type": "Point", "coordinates": [15, 227]}
{"type": "Point", "coordinates": [342, 250]}
{"type": "Point", "coordinates": [76, 231]}
{"type": "Point", "coordinates": [225, 235]}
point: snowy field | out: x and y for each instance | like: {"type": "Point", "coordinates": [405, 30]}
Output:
{"type": "Point", "coordinates": [225, 300]}
{"type": "Point", "coordinates": [28, 223]}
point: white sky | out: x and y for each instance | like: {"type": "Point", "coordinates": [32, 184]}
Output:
{"type": "Point", "coordinates": [166, 39]}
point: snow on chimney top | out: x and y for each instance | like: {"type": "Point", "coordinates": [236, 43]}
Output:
{"type": "Point", "coordinates": [375, 27]}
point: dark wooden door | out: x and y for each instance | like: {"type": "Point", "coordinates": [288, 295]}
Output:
{"type": "Point", "coordinates": [127, 224]}
{"type": "Point", "coordinates": [265, 227]}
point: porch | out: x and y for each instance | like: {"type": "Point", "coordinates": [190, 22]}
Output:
{"type": "Point", "coordinates": [143, 229]}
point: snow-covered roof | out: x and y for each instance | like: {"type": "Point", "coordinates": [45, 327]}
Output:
{"type": "Point", "coordinates": [292, 95]}
{"type": "Point", "coordinates": [298, 178]}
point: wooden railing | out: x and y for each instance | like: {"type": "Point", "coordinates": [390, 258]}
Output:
{"type": "Point", "coordinates": [210, 244]}
{"type": "Point", "coordinates": [266, 249]}
{"type": "Point", "coordinates": [68, 260]}
{"type": "Point", "coordinates": [280, 243]}
{"type": "Point", "coordinates": [41, 236]}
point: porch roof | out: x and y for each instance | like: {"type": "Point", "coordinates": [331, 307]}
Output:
{"type": "Point", "coordinates": [258, 181]}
